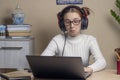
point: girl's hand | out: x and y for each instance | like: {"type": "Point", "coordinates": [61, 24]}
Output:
{"type": "Point", "coordinates": [88, 69]}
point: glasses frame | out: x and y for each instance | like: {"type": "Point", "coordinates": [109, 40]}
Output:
{"type": "Point", "coordinates": [73, 22]}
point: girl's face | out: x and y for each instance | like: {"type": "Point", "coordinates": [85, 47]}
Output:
{"type": "Point", "coordinates": [72, 21]}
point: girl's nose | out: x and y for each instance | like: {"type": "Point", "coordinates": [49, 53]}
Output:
{"type": "Point", "coordinates": [71, 25]}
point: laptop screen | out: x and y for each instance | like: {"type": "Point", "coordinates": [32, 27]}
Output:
{"type": "Point", "coordinates": [56, 67]}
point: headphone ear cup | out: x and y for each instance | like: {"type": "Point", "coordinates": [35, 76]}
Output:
{"type": "Point", "coordinates": [62, 26]}
{"type": "Point", "coordinates": [61, 22]}
{"type": "Point", "coordinates": [84, 23]}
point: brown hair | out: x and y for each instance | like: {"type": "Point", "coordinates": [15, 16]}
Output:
{"type": "Point", "coordinates": [84, 11]}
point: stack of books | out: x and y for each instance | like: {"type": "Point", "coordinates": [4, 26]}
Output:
{"type": "Point", "coordinates": [19, 30]}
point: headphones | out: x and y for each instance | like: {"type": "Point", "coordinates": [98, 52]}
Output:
{"type": "Point", "coordinates": [84, 19]}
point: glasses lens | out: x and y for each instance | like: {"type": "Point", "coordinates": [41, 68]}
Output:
{"type": "Point", "coordinates": [67, 22]}
{"type": "Point", "coordinates": [76, 21]}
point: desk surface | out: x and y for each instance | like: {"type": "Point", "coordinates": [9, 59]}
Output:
{"type": "Point", "coordinates": [108, 74]}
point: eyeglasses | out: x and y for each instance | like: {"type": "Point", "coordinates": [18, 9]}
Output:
{"type": "Point", "coordinates": [75, 21]}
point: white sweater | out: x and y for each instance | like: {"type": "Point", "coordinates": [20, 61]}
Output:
{"type": "Point", "coordinates": [81, 46]}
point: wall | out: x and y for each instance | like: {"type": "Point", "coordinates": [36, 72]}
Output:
{"type": "Point", "coordinates": [41, 14]}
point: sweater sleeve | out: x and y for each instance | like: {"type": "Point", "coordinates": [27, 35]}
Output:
{"type": "Point", "coordinates": [51, 49]}
{"type": "Point", "coordinates": [100, 62]}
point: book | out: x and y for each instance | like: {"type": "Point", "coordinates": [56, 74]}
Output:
{"type": "Point", "coordinates": [13, 28]}
{"type": "Point", "coordinates": [19, 34]}
{"type": "Point", "coordinates": [24, 25]}
{"type": "Point", "coordinates": [18, 31]}
{"type": "Point", "coordinates": [19, 37]}
{"type": "Point", "coordinates": [8, 77]}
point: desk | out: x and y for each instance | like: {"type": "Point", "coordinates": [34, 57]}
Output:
{"type": "Point", "coordinates": [108, 74]}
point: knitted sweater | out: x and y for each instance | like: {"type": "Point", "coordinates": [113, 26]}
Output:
{"type": "Point", "coordinates": [81, 46]}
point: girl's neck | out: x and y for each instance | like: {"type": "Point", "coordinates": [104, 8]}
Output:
{"type": "Point", "coordinates": [74, 37]}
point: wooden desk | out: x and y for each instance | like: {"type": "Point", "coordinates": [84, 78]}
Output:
{"type": "Point", "coordinates": [107, 74]}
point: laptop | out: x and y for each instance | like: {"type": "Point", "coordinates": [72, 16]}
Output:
{"type": "Point", "coordinates": [51, 67]}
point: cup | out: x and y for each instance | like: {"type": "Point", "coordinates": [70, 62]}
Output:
{"type": "Point", "coordinates": [118, 67]}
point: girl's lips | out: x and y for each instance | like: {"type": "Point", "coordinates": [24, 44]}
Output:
{"type": "Point", "coordinates": [72, 30]}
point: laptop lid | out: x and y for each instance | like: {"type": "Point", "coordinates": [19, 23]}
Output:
{"type": "Point", "coordinates": [51, 67]}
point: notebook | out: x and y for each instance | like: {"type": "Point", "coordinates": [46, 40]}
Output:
{"type": "Point", "coordinates": [51, 67]}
